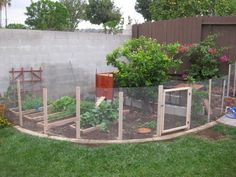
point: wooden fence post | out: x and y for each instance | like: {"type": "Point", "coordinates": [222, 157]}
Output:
{"type": "Point", "coordinates": [189, 107]}
{"type": "Point", "coordinates": [234, 91]}
{"type": "Point", "coordinates": [228, 84]}
{"type": "Point", "coordinates": [19, 103]}
{"type": "Point", "coordinates": [223, 97]}
{"type": "Point", "coordinates": [120, 126]}
{"type": "Point", "coordinates": [209, 97]}
{"type": "Point", "coordinates": [159, 109]}
{"type": "Point", "coordinates": [78, 136]}
{"type": "Point", "coordinates": [45, 110]}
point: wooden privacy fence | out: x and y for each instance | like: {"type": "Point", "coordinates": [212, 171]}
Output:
{"type": "Point", "coordinates": [192, 30]}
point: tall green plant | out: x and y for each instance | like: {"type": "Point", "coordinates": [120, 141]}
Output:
{"type": "Point", "coordinates": [205, 59]}
{"type": "Point", "coordinates": [47, 15]}
{"type": "Point", "coordinates": [143, 62]}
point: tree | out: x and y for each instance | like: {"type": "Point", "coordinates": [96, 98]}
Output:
{"type": "Point", "coordinates": [141, 64]}
{"type": "Point", "coordinates": [147, 62]}
{"type": "Point", "coordinates": [5, 4]}
{"type": "Point", "coordinates": [47, 15]}
{"type": "Point", "coordinates": [76, 9]}
{"type": "Point", "coordinates": [171, 9]}
{"type": "Point", "coordinates": [103, 11]}
{"type": "Point", "coordinates": [16, 26]}
{"type": "Point", "coordinates": [143, 7]}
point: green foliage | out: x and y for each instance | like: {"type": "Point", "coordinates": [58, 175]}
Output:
{"type": "Point", "coordinates": [205, 59]}
{"type": "Point", "coordinates": [143, 7]}
{"type": "Point", "coordinates": [151, 124]}
{"type": "Point", "coordinates": [146, 62]}
{"type": "Point", "coordinates": [4, 122]}
{"type": "Point", "coordinates": [229, 132]}
{"type": "Point", "coordinates": [189, 156]}
{"type": "Point", "coordinates": [62, 104]}
{"type": "Point", "coordinates": [67, 107]}
{"type": "Point", "coordinates": [16, 26]}
{"type": "Point", "coordinates": [103, 11]}
{"type": "Point", "coordinates": [31, 102]}
{"type": "Point", "coordinates": [104, 114]}
{"type": "Point", "coordinates": [171, 9]}
{"type": "Point", "coordinates": [113, 27]}
{"type": "Point", "coordinates": [76, 9]}
{"type": "Point", "coordinates": [198, 97]}
{"type": "Point", "coordinates": [47, 15]}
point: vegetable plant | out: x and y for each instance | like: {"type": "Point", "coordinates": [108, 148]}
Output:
{"type": "Point", "coordinates": [31, 102]}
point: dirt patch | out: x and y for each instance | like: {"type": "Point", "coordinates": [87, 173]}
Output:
{"type": "Point", "coordinates": [211, 134]}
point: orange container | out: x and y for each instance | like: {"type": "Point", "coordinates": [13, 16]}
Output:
{"type": "Point", "coordinates": [104, 85]}
{"type": "Point", "coordinates": [2, 109]}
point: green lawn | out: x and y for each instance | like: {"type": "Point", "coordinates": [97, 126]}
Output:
{"type": "Point", "coordinates": [26, 156]}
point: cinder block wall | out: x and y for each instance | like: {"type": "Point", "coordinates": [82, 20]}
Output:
{"type": "Point", "coordinates": [67, 58]}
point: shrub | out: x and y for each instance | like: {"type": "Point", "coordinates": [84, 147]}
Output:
{"type": "Point", "coordinates": [143, 62]}
{"type": "Point", "coordinates": [4, 122]}
{"type": "Point", "coordinates": [205, 59]}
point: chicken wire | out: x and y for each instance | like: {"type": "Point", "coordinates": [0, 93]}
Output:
{"type": "Point", "coordinates": [140, 112]}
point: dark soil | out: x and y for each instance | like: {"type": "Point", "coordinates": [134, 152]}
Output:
{"type": "Point", "coordinates": [211, 134]}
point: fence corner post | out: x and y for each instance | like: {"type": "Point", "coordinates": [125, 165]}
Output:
{"type": "Point", "coordinates": [120, 124]}
{"type": "Point", "coordinates": [159, 110]}
{"type": "Point", "coordinates": [45, 110]}
{"type": "Point", "coordinates": [78, 136]}
{"type": "Point", "coordinates": [19, 103]}
{"type": "Point", "coordinates": [209, 101]}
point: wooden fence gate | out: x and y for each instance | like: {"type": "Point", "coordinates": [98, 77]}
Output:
{"type": "Point", "coordinates": [175, 109]}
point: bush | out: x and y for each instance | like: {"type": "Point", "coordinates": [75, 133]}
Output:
{"type": "Point", "coordinates": [143, 62]}
{"type": "Point", "coordinates": [205, 59]}
{"type": "Point", "coordinates": [4, 122]}
{"type": "Point", "coordinates": [16, 26]}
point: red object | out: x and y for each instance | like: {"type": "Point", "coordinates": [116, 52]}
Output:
{"type": "Point", "coordinates": [104, 85]}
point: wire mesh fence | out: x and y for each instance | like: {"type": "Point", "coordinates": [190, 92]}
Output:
{"type": "Point", "coordinates": [103, 115]}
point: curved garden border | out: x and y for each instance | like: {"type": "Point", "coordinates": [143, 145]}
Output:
{"type": "Point", "coordinates": [97, 142]}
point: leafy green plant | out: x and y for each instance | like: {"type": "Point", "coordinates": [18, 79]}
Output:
{"type": "Point", "coordinates": [104, 114]}
{"type": "Point", "coordinates": [151, 124]}
{"type": "Point", "coordinates": [31, 102]}
{"type": "Point", "coordinates": [62, 104]}
{"type": "Point", "coordinates": [143, 62]}
{"type": "Point", "coordinates": [4, 122]}
{"type": "Point", "coordinates": [205, 59]}
{"type": "Point", "coordinates": [67, 107]}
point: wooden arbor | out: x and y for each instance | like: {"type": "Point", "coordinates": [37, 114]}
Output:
{"type": "Point", "coordinates": [30, 79]}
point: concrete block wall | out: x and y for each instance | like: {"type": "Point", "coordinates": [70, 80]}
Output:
{"type": "Point", "coordinates": [67, 58]}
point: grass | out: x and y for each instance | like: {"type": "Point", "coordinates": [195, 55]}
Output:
{"type": "Point", "coordinates": [23, 155]}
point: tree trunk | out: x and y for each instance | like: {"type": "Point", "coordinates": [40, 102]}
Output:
{"type": "Point", "coordinates": [5, 15]}
{"type": "Point", "coordinates": [0, 17]}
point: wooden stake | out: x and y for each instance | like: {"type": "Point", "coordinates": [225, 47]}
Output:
{"type": "Point", "coordinates": [189, 106]}
{"type": "Point", "coordinates": [209, 98]}
{"type": "Point", "coordinates": [159, 109]}
{"type": "Point", "coordinates": [19, 103]}
{"type": "Point", "coordinates": [45, 110]}
{"type": "Point", "coordinates": [223, 97]}
{"type": "Point", "coordinates": [78, 136]}
{"type": "Point", "coordinates": [120, 126]}
{"type": "Point", "coordinates": [234, 80]}
{"type": "Point", "coordinates": [228, 84]}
